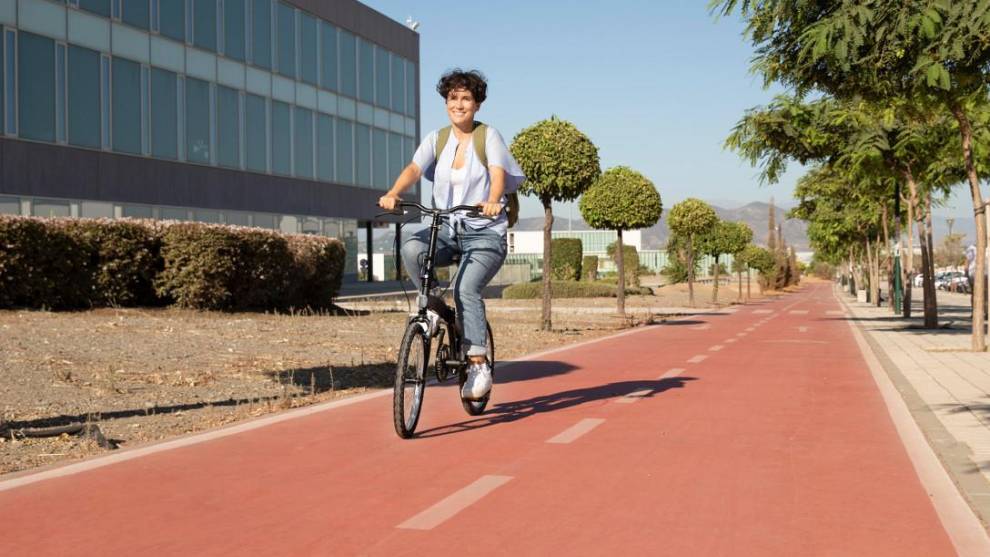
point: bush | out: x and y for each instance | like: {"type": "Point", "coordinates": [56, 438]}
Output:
{"type": "Point", "coordinates": [721, 270]}
{"type": "Point", "coordinates": [630, 262]}
{"type": "Point", "coordinates": [125, 257]}
{"type": "Point", "coordinates": [200, 266]}
{"type": "Point", "coordinates": [589, 267]}
{"type": "Point", "coordinates": [568, 289]}
{"type": "Point", "coordinates": [43, 265]}
{"type": "Point", "coordinates": [565, 261]}
{"type": "Point", "coordinates": [319, 267]}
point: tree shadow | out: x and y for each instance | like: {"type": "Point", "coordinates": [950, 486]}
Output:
{"type": "Point", "coordinates": [508, 412]}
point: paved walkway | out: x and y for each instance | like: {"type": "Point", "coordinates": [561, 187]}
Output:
{"type": "Point", "coordinates": [947, 386]}
{"type": "Point", "coordinates": [758, 432]}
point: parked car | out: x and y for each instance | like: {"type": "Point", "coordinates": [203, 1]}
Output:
{"type": "Point", "coordinates": [919, 280]}
{"type": "Point", "coordinates": [951, 280]}
{"type": "Point", "coordinates": [959, 283]}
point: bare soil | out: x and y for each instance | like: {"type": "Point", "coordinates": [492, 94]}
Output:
{"type": "Point", "coordinates": [144, 375]}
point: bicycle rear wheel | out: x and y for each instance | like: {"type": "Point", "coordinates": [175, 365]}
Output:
{"type": "Point", "coordinates": [476, 407]}
{"type": "Point", "coordinates": [410, 380]}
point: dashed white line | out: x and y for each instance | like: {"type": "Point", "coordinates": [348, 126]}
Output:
{"type": "Point", "coordinates": [672, 372]}
{"type": "Point", "coordinates": [716, 348]}
{"type": "Point", "coordinates": [704, 327]}
{"type": "Point", "coordinates": [762, 311]}
{"type": "Point", "coordinates": [575, 431]}
{"type": "Point", "coordinates": [740, 335]}
{"type": "Point", "coordinates": [697, 359]}
{"type": "Point", "coordinates": [454, 503]}
{"type": "Point", "coordinates": [730, 340]}
{"type": "Point", "coordinates": [750, 329]}
{"type": "Point", "coordinates": [802, 329]}
{"type": "Point", "coordinates": [799, 312]}
{"type": "Point", "coordinates": [634, 396]}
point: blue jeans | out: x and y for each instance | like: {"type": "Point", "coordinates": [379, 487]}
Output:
{"type": "Point", "coordinates": [482, 253]}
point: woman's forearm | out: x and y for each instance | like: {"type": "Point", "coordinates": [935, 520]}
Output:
{"type": "Point", "coordinates": [497, 174]}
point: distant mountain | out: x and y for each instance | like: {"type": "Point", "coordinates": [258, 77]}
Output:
{"type": "Point", "coordinates": [755, 214]}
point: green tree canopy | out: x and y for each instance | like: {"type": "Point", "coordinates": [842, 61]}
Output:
{"type": "Point", "coordinates": [690, 219]}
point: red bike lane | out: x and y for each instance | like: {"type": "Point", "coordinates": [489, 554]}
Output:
{"type": "Point", "coordinates": [756, 431]}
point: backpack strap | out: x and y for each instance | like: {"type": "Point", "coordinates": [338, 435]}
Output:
{"type": "Point", "coordinates": [478, 137]}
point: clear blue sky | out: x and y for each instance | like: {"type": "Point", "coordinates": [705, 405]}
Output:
{"type": "Point", "coordinates": [656, 85]}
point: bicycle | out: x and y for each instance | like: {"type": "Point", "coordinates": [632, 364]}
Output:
{"type": "Point", "coordinates": [415, 349]}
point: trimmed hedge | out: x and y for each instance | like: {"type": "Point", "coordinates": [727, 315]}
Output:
{"type": "Point", "coordinates": [568, 289]}
{"type": "Point", "coordinates": [79, 263]}
{"type": "Point", "coordinates": [589, 267]}
{"type": "Point", "coordinates": [565, 259]}
{"type": "Point", "coordinates": [630, 262]}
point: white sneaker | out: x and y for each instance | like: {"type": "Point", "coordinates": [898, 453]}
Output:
{"type": "Point", "coordinates": [432, 325]}
{"type": "Point", "coordinates": [478, 383]}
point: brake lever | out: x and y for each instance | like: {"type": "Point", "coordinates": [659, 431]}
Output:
{"type": "Point", "coordinates": [398, 213]}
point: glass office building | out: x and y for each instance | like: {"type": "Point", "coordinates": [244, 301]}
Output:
{"type": "Point", "coordinates": [291, 115]}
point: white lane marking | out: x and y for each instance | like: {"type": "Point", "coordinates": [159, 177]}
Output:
{"type": "Point", "coordinates": [634, 396]}
{"type": "Point", "coordinates": [704, 327]}
{"type": "Point", "coordinates": [575, 431]}
{"type": "Point", "coordinates": [799, 312]}
{"type": "Point", "coordinates": [796, 341]}
{"type": "Point", "coordinates": [762, 311]}
{"type": "Point", "coordinates": [697, 359]}
{"type": "Point", "coordinates": [750, 329]}
{"type": "Point", "coordinates": [454, 503]}
{"type": "Point", "coordinates": [802, 329]}
{"type": "Point", "coordinates": [730, 340]}
{"type": "Point", "coordinates": [716, 348]}
{"type": "Point", "coordinates": [740, 335]}
{"type": "Point", "coordinates": [672, 372]}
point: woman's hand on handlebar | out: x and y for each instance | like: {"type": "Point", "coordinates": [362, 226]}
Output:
{"type": "Point", "coordinates": [389, 201]}
{"type": "Point", "coordinates": [491, 209]}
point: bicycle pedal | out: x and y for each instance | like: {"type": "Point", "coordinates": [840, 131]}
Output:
{"type": "Point", "coordinates": [455, 363]}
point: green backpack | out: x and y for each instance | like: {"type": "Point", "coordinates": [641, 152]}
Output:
{"type": "Point", "coordinates": [479, 140]}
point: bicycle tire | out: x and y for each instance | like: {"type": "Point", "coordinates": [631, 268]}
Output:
{"type": "Point", "coordinates": [409, 389]}
{"type": "Point", "coordinates": [477, 407]}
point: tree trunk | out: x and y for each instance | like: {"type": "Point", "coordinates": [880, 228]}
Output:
{"type": "Point", "coordinates": [715, 289]}
{"type": "Point", "coordinates": [620, 264]}
{"type": "Point", "coordinates": [979, 343]}
{"type": "Point", "coordinates": [908, 264]}
{"type": "Point", "coordinates": [876, 272]}
{"type": "Point", "coordinates": [890, 258]}
{"type": "Point", "coordinates": [869, 272]}
{"type": "Point", "coordinates": [749, 283]}
{"type": "Point", "coordinates": [690, 269]}
{"type": "Point", "coordinates": [739, 275]}
{"type": "Point", "coordinates": [928, 267]}
{"type": "Point", "coordinates": [547, 237]}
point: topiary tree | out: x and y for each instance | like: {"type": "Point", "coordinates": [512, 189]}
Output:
{"type": "Point", "coordinates": [630, 262]}
{"type": "Point", "coordinates": [622, 199]}
{"type": "Point", "coordinates": [725, 237]}
{"type": "Point", "coordinates": [560, 163]}
{"type": "Point", "coordinates": [566, 264]}
{"type": "Point", "coordinates": [690, 219]}
{"type": "Point", "coordinates": [763, 261]}
{"type": "Point", "coordinates": [589, 267]}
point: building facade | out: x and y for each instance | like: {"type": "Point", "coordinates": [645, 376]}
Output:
{"type": "Point", "coordinates": [290, 115]}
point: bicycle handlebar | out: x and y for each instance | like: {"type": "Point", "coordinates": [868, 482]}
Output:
{"type": "Point", "coordinates": [475, 209]}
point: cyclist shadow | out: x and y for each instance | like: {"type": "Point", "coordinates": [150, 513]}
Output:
{"type": "Point", "coordinates": [508, 412]}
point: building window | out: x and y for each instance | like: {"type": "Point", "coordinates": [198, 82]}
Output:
{"type": "Point", "coordinates": [126, 102]}
{"type": "Point", "coordinates": [105, 101]}
{"type": "Point", "coordinates": [228, 127]}
{"type": "Point", "coordinates": [206, 216]}
{"type": "Point", "coordinates": [394, 158]}
{"type": "Point", "coordinates": [324, 148]}
{"type": "Point", "coordinates": [281, 138]}
{"type": "Point", "coordinates": [345, 152]}
{"type": "Point", "coordinates": [379, 159]}
{"type": "Point", "coordinates": [60, 92]}
{"type": "Point", "coordinates": [398, 103]}
{"type": "Point", "coordinates": [366, 71]}
{"type": "Point", "coordinates": [174, 213]}
{"type": "Point", "coordinates": [411, 89]}
{"type": "Point", "coordinates": [286, 34]}
{"type": "Point", "coordinates": [84, 97]}
{"type": "Point", "coordinates": [262, 220]}
{"type": "Point", "coordinates": [261, 33]}
{"type": "Point", "coordinates": [172, 19]}
{"type": "Point", "coordinates": [328, 56]}
{"type": "Point", "coordinates": [303, 142]}
{"type": "Point", "coordinates": [308, 49]}
{"type": "Point", "coordinates": [205, 24]}
{"type": "Point", "coordinates": [197, 121]}
{"type": "Point", "coordinates": [347, 63]}
{"type": "Point", "coordinates": [233, 29]}
{"type": "Point", "coordinates": [362, 154]}
{"type": "Point", "coordinates": [164, 114]}
{"type": "Point", "coordinates": [235, 218]}
{"type": "Point", "coordinates": [36, 87]}
{"type": "Point", "coordinates": [101, 7]}
{"type": "Point", "coordinates": [256, 122]}
{"type": "Point", "coordinates": [137, 13]}
{"type": "Point", "coordinates": [10, 82]}
{"type": "Point", "coordinates": [145, 110]}
{"type": "Point", "coordinates": [382, 73]}
{"type": "Point", "coordinates": [50, 208]}
{"type": "Point", "coordinates": [10, 206]}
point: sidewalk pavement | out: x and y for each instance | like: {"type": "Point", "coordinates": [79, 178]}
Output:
{"type": "Point", "coordinates": [946, 386]}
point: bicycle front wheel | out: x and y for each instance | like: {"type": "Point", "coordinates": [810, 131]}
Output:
{"type": "Point", "coordinates": [476, 407]}
{"type": "Point", "coordinates": [410, 380]}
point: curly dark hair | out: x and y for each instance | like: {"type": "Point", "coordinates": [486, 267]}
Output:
{"type": "Point", "coordinates": [472, 80]}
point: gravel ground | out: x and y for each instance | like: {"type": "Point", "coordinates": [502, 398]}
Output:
{"type": "Point", "coordinates": [143, 375]}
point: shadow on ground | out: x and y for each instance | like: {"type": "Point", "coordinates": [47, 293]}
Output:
{"type": "Point", "coordinates": [508, 412]}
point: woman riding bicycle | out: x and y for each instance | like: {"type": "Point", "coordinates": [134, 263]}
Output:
{"type": "Point", "coordinates": [459, 178]}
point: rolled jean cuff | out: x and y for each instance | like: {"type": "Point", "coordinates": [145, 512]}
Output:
{"type": "Point", "coordinates": [477, 351]}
